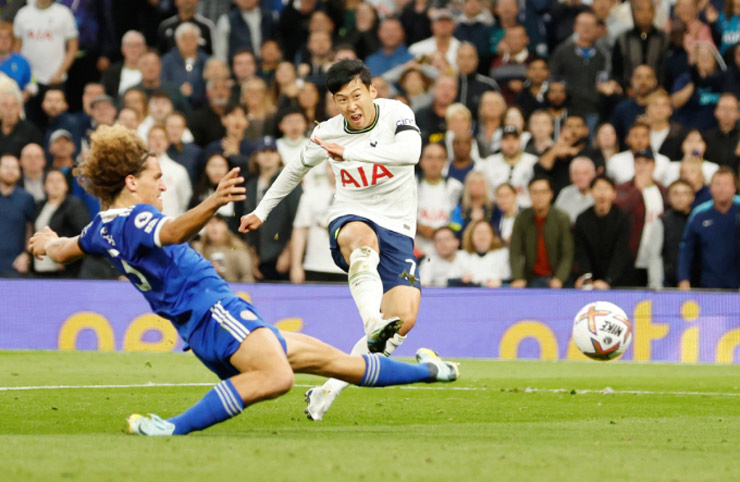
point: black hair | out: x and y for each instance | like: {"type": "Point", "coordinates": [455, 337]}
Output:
{"type": "Point", "coordinates": [232, 106]}
{"type": "Point", "coordinates": [289, 110]}
{"type": "Point", "coordinates": [602, 177]}
{"type": "Point", "coordinates": [64, 175]}
{"type": "Point", "coordinates": [540, 178]}
{"type": "Point", "coordinates": [344, 72]}
{"type": "Point", "coordinates": [160, 94]}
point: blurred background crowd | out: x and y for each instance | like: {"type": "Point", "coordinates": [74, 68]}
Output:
{"type": "Point", "coordinates": [588, 144]}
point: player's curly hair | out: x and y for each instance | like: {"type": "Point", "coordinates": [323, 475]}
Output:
{"type": "Point", "coordinates": [115, 152]}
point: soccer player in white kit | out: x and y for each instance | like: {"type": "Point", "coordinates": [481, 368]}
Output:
{"type": "Point", "coordinates": [373, 146]}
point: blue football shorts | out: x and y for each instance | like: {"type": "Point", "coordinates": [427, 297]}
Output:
{"type": "Point", "coordinates": [397, 265]}
{"type": "Point", "coordinates": [222, 331]}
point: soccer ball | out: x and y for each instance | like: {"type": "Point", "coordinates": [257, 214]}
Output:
{"type": "Point", "coordinates": [602, 331]}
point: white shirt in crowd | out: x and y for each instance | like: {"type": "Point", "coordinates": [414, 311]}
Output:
{"type": "Point", "coordinates": [311, 214]}
{"type": "Point", "coordinates": [621, 168]}
{"type": "Point", "coordinates": [653, 209]}
{"type": "Point", "coordinates": [506, 227]}
{"type": "Point", "coordinates": [492, 265]}
{"type": "Point", "coordinates": [290, 149]}
{"type": "Point", "coordinates": [179, 191]}
{"type": "Point", "coordinates": [436, 203]}
{"type": "Point", "coordinates": [573, 201]}
{"type": "Point", "coordinates": [129, 78]}
{"type": "Point", "coordinates": [428, 47]}
{"type": "Point", "coordinates": [707, 169]}
{"type": "Point", "coordinates": [45, 33]}
{"type": "Point", "coordinates": [435, 271]}
{"type": "Point", "coordinates": [498, 171]}
{"type": "Point", "coordinates": [45, 264]}
{"type": "Point", "coordinates": [657, 138]}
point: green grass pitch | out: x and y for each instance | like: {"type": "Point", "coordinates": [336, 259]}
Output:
{"type": "Point", "coordinates": [500, 421]}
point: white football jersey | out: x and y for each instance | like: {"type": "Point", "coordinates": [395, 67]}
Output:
{"type": "Point", "coordinates": [498, 171]}
{"type": "Point", "coordinates": [375, 180]}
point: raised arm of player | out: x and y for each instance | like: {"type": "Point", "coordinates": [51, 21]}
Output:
{"type": "Point", "coordinates": [60, 250]}
{"type": "Point", "coordinates": [291, 175]}
{"type": "Point", "coordinates": [404, 151]}
{"type": "Point", "coordinates": [186, 225]}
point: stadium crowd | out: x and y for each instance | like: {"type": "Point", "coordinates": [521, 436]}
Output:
{"type": "Point", "coordinates": [566, 143]}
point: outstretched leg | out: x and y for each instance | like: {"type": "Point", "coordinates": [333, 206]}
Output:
{"type": "Point", "coordinates": [265, 374]}
{"type": "Point", "coordinates": [309, 355]}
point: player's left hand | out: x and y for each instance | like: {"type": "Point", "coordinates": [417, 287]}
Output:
{"type": "Point", "coordinates": [335, 151]}
{"type": "Point", "coordinates": [37, 243]}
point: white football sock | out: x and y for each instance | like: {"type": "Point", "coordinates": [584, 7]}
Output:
{"type": "Point", "coordinates": [393, 343]}
{"type": "Point", "coordinates": [365, 283]}
{"type": "Point", "coordinates": [336, 386]}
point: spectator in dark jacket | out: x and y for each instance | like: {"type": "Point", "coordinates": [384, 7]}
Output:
{"type": "Point", "coordinates": [15, 133]}
{"type": "Point", "coordinates": [722, 141]}
{"type": "Point", "coordinates": [642, 45]}
{"type": "Point", "coordinates": [123, 75]}
{"type": "Point", "coordinates": [62, 213]}
{"type": "Point", "coordinates": [166, 37]}
{"type": "Point", "coordinates": [601, 235]}
{"type": "Point", "coordinates": [234, 145]}
{"type": "Point", "coordinates": [713, 230]}
{"type": "Point", "coordinates": [470, 84]}
{"type": "Point", "coordinates": [532, 96]}
{"type": "Point", "coordinates": [580, 64]}
{"type": "Point", "coordinates": [205, 123]}
{"type": "Point", "coordinates": [643, 83]}
{"type": "Point", "coordinates": [270, 244]}
{"type": "Point", "coordinates": [668, 236]}
{"type": "Point", "coordinates": [475, 26]}
{"type": "Point", "coordinates": [541, 249]}
{"type": "Point", "coordinates": [185, 63]}
{"type": "Point", "coordinates": [17, 211]}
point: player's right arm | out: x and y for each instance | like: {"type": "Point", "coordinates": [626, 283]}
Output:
{"type": "Point", "coordinates": [189, 223]}
{"type": "Point", "coordinates": [291, 175]}
{"type": "Point", "coordinates": [60, 250]}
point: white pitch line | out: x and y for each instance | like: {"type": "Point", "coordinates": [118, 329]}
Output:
{"type": "Point", "coordinates": [605, 391]}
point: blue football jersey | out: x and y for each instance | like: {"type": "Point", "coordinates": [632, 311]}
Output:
{"type": "Point", "coordinates": [179, 284]}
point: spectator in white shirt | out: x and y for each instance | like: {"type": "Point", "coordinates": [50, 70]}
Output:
{"type": "Point", "coordinates": [176, 198]}
{"type": "Point", "coordinates": [621, 167]}
{"type": "Point", "coordinates": [506, 211]}
{"type": "Point", "coordinates": [440, 49]}
{"type": "Point", "coordinates": [446, 265]}
{"type": "Point", "coordinates": [576, 198]}
{"type": "Point", "coordinates": [511, 165]}
{"type": "Point", "coordinates": [694, 148]}
{"type": "Point", "coordinates": [310, 256]}
{"type": "Point", "coordinates": [438, 196]}
{"type": "Point", "coordinates": [488, 259]}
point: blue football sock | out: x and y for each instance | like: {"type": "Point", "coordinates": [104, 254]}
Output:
{"type": "Point", "coordinates": [219, 404]}
{"type": "Point", "coordinates": [381, 371]}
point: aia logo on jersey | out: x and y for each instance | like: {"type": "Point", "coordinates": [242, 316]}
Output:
{"type": "Point", "coordinates": [39, 34]}
{"type": "Point", "coordinates": [358, 177]}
